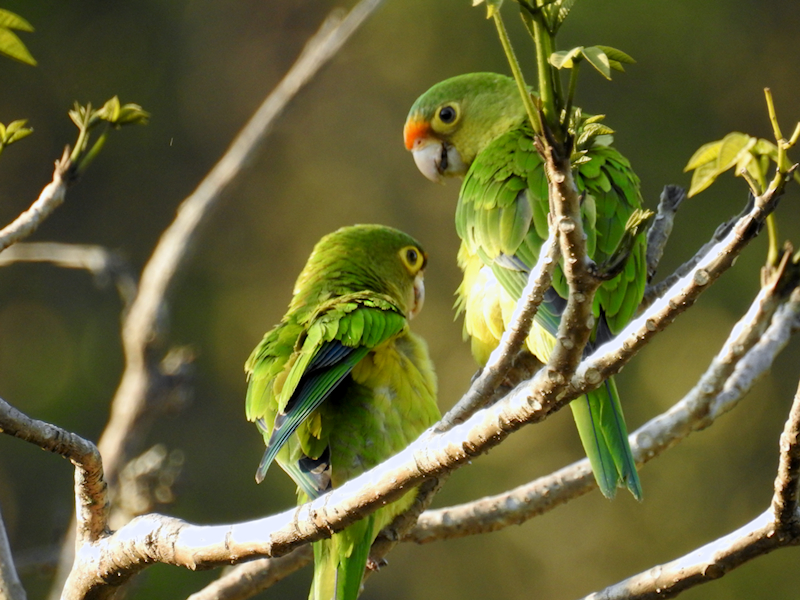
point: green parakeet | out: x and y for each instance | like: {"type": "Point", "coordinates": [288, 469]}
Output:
{"type": "Point", "coordinates": [342, 384]}
{"type": "Point", "coordinates": [475, 126]}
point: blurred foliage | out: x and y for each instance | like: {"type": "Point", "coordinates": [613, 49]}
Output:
{"type": "Point", "coordinates": [10, 44]}
{"type": "Point", "coordinates": [336, 157]}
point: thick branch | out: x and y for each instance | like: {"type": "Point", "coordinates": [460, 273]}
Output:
{"type": "Point", "coordinates": [90, 488]}
{"type": "Point", "coordinates": [116, 557]}
{"type": "Point", "coordinates": [52, 197]}
{"type": "Point", "coordinates": [729, 377]}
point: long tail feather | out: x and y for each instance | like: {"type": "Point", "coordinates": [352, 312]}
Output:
{"type": "Point", "coordinates": [601, 426]}
{"type": "Point", "coordinates": [339, 562]}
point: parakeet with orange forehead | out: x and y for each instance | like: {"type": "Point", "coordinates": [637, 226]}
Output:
{"type": "Point", "coordinates": [341, 383]}
{"type": "Point", "coordinates": [475, 126]}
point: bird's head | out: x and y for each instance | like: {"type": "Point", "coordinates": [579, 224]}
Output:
{"type": "Point", "coordinates": [364, 258]}
{"type": "Point", "coordinates": [449, 125]}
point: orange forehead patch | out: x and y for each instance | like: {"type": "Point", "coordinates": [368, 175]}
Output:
{"type": "Point", "coordinates": [415, 129]}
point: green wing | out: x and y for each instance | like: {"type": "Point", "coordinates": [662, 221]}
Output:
{"type": "Point", "coordinates": [502, 218]}
{"type": "Point", "coordinates": [286, 389]}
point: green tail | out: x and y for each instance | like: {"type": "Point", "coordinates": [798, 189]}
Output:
{"type": "Point", "coordinates": [339, 562]}
{"type": "Point", "coordinates": [601, 426]}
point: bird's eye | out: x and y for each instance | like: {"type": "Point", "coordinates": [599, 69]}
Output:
{"type": "Point", "coordinates": [447, 114]}
{"type": "Point", "coordinates": [412, 258]}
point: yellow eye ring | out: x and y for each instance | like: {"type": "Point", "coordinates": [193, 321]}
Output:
{"type": "Point", "coordinates": [412, 258]}
{"type": "Point", "coordinates": [447, 116]}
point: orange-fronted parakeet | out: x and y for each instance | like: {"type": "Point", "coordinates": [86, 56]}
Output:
{"type": "Point", "coordinates": [341, 383]}
{"type": "Point", "coordinates": [475, 126]}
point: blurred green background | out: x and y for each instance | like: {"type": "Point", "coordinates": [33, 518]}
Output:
{"type": "Point", "coordinates": [335, 158]}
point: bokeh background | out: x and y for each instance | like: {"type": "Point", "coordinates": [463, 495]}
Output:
{"type": "Point", "coordinates": [335, 158]}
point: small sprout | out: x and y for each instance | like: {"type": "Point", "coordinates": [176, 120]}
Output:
{"type": "Point", "coordinates": [13, 132]}
{"type": "Point", "coordinates": [112, 114]}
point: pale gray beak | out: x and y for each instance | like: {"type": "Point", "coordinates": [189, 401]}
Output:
{"type": "Point", "coordinates": [419, 295]}
{"type": "Point", "coordinates": [437, 160]}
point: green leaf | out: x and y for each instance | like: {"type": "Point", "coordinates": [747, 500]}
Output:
{"type": "Point", "coordinates": [705, 154]}
{"type": "Point", "coordinates": [617, 55]}
{"type": "Point", "coordinates": [733, 146]}
{"type": "Point", "coordinates": [556, 12]}
{"type": "Point", "coordinates": [566, 59]}
{"type": "Point", "coordinates": [598, 59]}
{"type": "Point", "coordinates": [11, 21]}
{"type": "Point", "coordinates": [765, 147]}
{"type": "Point", "coordinates": [616, 65]}
{"type": "Point", "coordinates": [12, 46]}
{"type": "Point", "coordinates": [603, 140]}
{"type": "Point", "coordinates": [703, 177]}
{"type": "Point", "coordinates": [15, 131]}
{"type": "Point", "coordinates": [132, 114]}
{"type": "Point", "coordinates": [109, 111]}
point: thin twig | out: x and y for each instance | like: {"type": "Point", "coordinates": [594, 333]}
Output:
{"type": "Point", "coordinates": [52, 197]}
{"type": "Point", "coordinates": [104, 264]}
{"type": "Point", "coordinates": [654, 291]}
{"type": "Point", "coordinates": [784, 502]}
{"type": "Point", "coordinates": [671, 198]}
{"type": "Point", "coordinates": [502, 358]}
{"type": "Point", "coordinates": [10, 585]}
{"type": "Point", "coordinates": [245, 581]}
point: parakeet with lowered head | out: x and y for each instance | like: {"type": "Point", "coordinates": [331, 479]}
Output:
{"type": "Point", "coordinates": [475, 126]}
{"type": "Point", "coordinates": [341, 383]}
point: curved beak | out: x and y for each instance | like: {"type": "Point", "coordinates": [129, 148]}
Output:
{"type": "Point", "coordinates": [430, 157]}
{"type": "Point", "coordinates": [419, 295]}
{"type": "Point", "coordinates": [435, 158]}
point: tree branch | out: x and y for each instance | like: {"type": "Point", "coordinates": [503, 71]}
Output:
{"type": "Point", "coordinates": [245, 581]}
{"type": "Point", "coordinates": [784, 502]}
{"type": "Point", "coordinates": [671, 198]}
{"type": "Point", "coordinates": [114, 558]}
{"type": "Point", "coordinates": [143, 327]}
{"type": "Point", "coordinates": [774, 528]}
{"type": "Point", "coordinates": [609, 358]}
{"type": "Point", "coordinates": [102, 263]}
{"type": "Point", "coordinates": [10, 586]}
{"type": "Point", "coordinates": [502, 358]}
{"type": "Point", "coordinates": [52, 197]}
{"type": "Point", "coordinates": [730, 376]}
{"type": "Point", "coordinates": [91, 497]}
